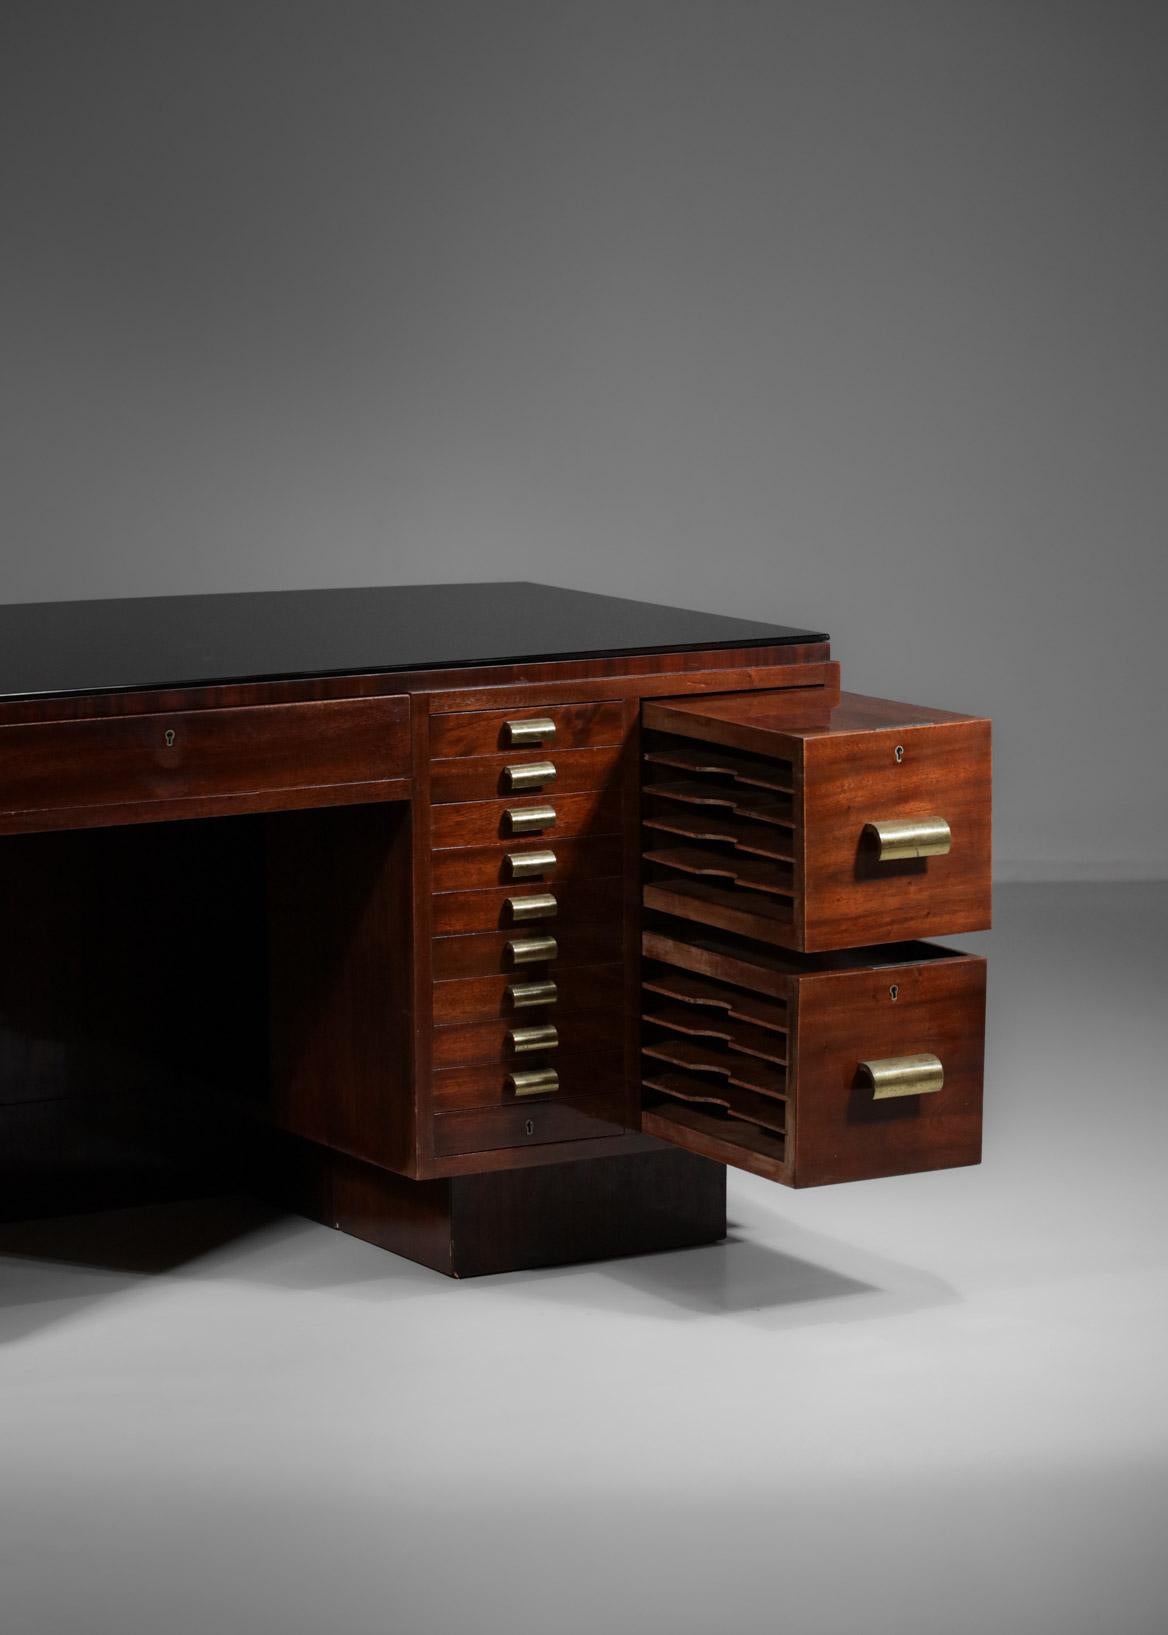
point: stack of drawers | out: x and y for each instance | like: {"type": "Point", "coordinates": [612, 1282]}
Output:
{"type": "Point", "coordinates": [795, 847]}
{"type": "Point", "coordinates": [528, 924]}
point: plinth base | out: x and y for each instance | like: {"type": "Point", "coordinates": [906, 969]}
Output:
{"type": "Point", "coordinates": [509, 1220]}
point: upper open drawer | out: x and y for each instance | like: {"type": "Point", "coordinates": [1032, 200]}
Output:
{"type": "Point", "coordinates": [815, 820]}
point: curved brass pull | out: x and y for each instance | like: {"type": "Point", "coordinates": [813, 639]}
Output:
{"type": "Point", "coordinates": [530, 950]}
{"type": "Point", "coordinates": [521, 865]}
{"type": "Point", "coordinates": [900, 838]}
{"type": "Point", "coordinates": [904, 1076]}
{"type": "Point", "coordinates": [523, 1040]}
{"type": "Point", "coordinates": [521, 820]}
{"type": "Point", "coordinates": [540, 905]}
{"type": "Point", "coordinates": [532, 731]}
{"type": "Point", "coordinates": [523, 995]}
{"type": "Point", "coordinates": [531, 775]}
{"type": "Point", "coordinates": [540, 1081]}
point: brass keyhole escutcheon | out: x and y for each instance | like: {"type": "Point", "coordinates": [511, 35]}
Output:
{"type": "Point", "coordinates": [898, 752]}
{"type": "Point", "coordinates": [529, 1127]}
{"type": "Point", "coordinates": [169, 736]}
{"type": "Point", "coordinates": [894, 992]}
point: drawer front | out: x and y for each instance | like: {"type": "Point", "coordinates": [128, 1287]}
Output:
{"type": "Point", "coordinates": [519, 1040]}
{"type": "Point", "coordinates": [473, 868]}
{"type": "Point", "coordinates": [593, 1084]}
{"type": "Point", "coordinates": [842, 1130]}
{"type": "Point", "coordinates": [479, 823]}
{"type": "Point", "coordinates": [523, 772]}
{"type": "Point", "coordinates": [490, 953]}
{"type": "Point", "coordinates": [811, 1071]}
{"type": "Point", "coordinates": [858, 785]}
{"type": "Point", "coordinates": [483, 732]}
{"type": "Point", "coordinates": [529, 904]}
{"type": "Point", "coordinates": [491, 998]}
{"type": "Point", "coordinates": [230, 755]}
{"type": "Point", "coordinates": [516, 1126]}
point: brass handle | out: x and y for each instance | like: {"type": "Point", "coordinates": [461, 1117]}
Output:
{"type": "Point", "coordinates": [531, 775]}
{"type": "Point", "coordinates": [904, 1076]}
{"type": "Point", "coordinates": [901, 838]}
{"type": "Point", "coordinates": [522, 1040]}
{"type": "Point", "coordinates": [525, 994]}
{"type": "Point", "coordinates": [541, 905]}
{"type": "Point", "coordinates": [537, 1081]}
{"type": "Point", "coordinates": [523, 820]}
{"type": "Point", "coordinates": [530, 950]}
{"type": "Point", "coordinates": [521, 865]}
{"type": "Point", "coordinates": [533, 731]}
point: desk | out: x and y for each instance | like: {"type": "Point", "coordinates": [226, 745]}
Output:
{"type": "Point", "coordinates": [487, 922]}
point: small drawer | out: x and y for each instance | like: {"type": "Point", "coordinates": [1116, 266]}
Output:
{"type": "Point", "coordinates": [594, 1085]}
{"type": "Point", "coordinates": [521, 818]}
{"type": "Point", "coordinates": [530, 997]}
{"type": "Point", "coordinates": [528, 862]}
{"type": "Point", "coordinates": [523, 772]}
{"type": "Point", "coordinates": [537, 1038]}
{"type": "Point", "coordinates": [532, 903]}
{"type": "Point", "coordinates": [815, 1070]}
{"type": "Point", "coordinates": [816, 821]}
{"type": "Point", "coordinates": [143, 767]}
{"type": "Point", "coordinates": [494, 953]}
{"type": "Point", "coordinates": [482, 732]}
{"type": "Point", "coordinates": [519, 1125]}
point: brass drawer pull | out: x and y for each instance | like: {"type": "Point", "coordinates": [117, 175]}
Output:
{"type": "Point", "coordinates": [541, 905]}
{"type": "Point", "coordinates": [521, 865]}
{"type": "Point", "coordinates": [904, 1076]}
{"type": "Point", "coordinates": [523, 820]}
{"type": "Point", "coordinates": [530, 950]}
{"type": "Point", "coordinates": [537, 1081]}
{"type": "Point", "coordinates": [901, 838]}
{"type": "Point", "coordinates": [525, 994]}
{"type": "Point", "coordinates": [523, 1040]}
{"type": "Point", "coordinates": [530, 775]}
{"type": "Point", "coordinates": [533, 731]}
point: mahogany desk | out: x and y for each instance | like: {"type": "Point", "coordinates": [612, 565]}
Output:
{"type": "Point", "coordinates": [486, 922]}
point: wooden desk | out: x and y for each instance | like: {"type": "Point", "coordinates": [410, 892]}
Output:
{"type": "Point", "coordinates": [523, 912]}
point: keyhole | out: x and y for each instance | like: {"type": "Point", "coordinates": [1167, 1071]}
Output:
{"type": "Point", "coordinates": [529, 1127]}
{"type": "Point", "coordinates": [899, 753]}
{"type": "Point", "coordinates": [169, 736]}
{"type": "Point", "coordinates": [894, 993]}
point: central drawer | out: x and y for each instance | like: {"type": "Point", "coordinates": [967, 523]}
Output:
{"type": "Point", "coordinates": [139, 768]}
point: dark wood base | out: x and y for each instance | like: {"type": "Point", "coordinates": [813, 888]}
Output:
{"type": "Point", "coordinates": [510, 1220]}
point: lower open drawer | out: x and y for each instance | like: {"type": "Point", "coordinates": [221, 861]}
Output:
{"type": "Point", "coordinates": [813, 1069]}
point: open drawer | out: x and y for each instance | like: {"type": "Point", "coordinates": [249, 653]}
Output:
{"type": "Point", "coordinates": [815, 821]}
{"type": "Point", "coordinates": [839, 1067]}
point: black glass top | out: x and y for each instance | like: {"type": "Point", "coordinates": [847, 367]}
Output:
{"type": "Point", "coordinates": [152, 642]}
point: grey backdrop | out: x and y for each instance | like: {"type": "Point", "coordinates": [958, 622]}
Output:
{"type": "Point", "coordinates": [851, 315]}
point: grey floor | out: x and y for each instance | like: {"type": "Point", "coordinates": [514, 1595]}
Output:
{"type": "Point", "coordinates": [937, 1404]}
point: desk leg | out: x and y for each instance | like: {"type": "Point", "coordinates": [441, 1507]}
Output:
{"type": "Point", "coordinates": [508, 1220]}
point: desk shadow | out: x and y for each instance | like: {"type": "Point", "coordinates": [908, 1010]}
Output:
{"type": "Point", "coordinates": [54, 1269]}
{"type": "Point", "coordinates": [825, 1281]}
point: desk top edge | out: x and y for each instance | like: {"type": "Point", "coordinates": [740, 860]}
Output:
{"type": "Point", "coordinates": [146, 644]}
